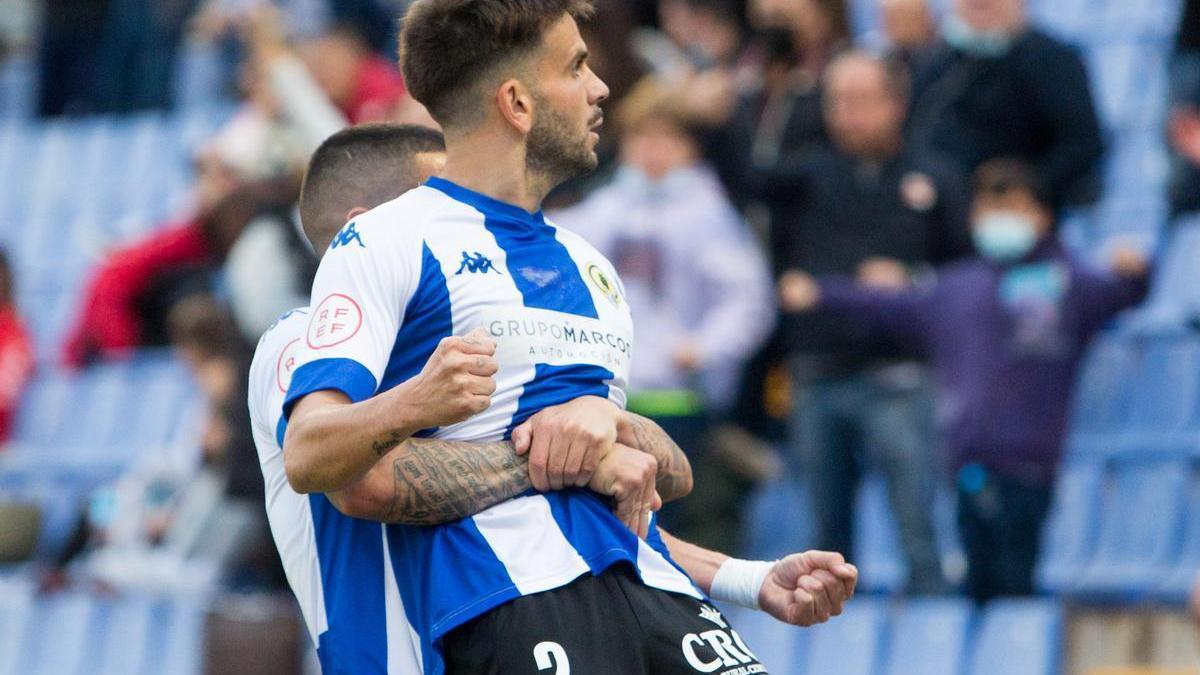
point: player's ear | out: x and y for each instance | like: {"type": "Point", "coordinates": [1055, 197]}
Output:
{"type": "Point", "coordinates": [516, 105]}
{"type": "Point", "coordinates": [354, 213]}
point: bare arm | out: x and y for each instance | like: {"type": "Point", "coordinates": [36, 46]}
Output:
{"type": "Point", "coordinates": [431, 481]}
{"type": "Point", "coordinates": [674, 471]}
{"type": "Point", "coordinates": [700, 564]}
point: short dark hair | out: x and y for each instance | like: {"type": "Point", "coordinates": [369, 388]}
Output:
{"type": "Point", "coordinates": [1005, 175]}
{"type": "Point", "coordinates": [360, 166]}
{"type": "Point", "coordinates": [448, 47]}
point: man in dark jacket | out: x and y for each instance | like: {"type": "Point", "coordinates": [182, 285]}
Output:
{"type": "Point", "coordinates": [998, 86]}
{"type": "Point", "coordinates": [1006, 332]}
{"type": "Point", "coordinates": [860, 400]}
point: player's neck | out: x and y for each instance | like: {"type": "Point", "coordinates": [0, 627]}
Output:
{"type": "Point", "coordinates": [495, 168]}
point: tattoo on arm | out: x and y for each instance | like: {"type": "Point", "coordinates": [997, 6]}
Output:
{"type": "Point", "coordinates": [674, 471]}
{"type": "Point", "coordinates": [438, 481]}
{"type": "Point", "coordinates": [384, 446]}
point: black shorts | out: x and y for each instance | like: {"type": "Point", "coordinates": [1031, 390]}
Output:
{"type": "Point", "coordinates": [610, 624]}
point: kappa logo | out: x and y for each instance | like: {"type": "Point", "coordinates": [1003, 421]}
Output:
{"type": "Point", "coordinates": [347, 235]}
{"type": "Point", "coordinates": [712, 614]}
{"type": "Point", "coordinates": [477, 264]}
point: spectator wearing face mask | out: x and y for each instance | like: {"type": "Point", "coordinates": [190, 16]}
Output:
{"type": "Point", "coordinates": [698, 287]}
{"type": "Point", "coordinates": [1005, 331]}
{"type": "Point", "coordinates": [860, 400]}
{"type": "Point", "coordinates": [998, 86]}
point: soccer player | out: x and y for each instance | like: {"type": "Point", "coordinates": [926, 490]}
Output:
{"type": "Point", "coordinates": [451, 256]}
{"type": "Point", "coordinates": [337, 189]}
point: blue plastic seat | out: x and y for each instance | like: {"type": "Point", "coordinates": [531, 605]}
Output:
{"type": "Point", "coordinates": [1141, 527]}
{"type": "Point", "coordinates": [182, 650]}
{"type": "Point", "coordinates": [1018, 636]}
{"type": "Point", "coordinates": [1101, 395]}
{"type": "Point", "coordinates": [122, 640]}
{"type": "Point", "coordinates": [877, 552]}
{"type": "Point", "coordinates": [59, 639]}
{"type": "Point", "coordinates": [16, 614]}
{"type": "Point", "coordinates": [850, 644]}
{"type": "Point", "coordinates": [929, 637]}
{"type": "Point", "coordinates": [1176, 585]}
{"type": "Point", "coordinates": [1164, 394]}
{"type": "Point", "coordinates": [1069, 537]}
{"type": "Point", "coordinates": [1177, 279]}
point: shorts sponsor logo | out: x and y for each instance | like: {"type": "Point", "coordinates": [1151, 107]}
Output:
{"type": "Point", "coordinates": [286, 364]}
{"type": "Point", "coordinates": [336, 319]}
{"type": "Point", "coordinates": [720, 650]}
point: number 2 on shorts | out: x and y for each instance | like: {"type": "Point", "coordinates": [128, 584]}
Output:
{"type": "Point", "coordinates": [551, 655]}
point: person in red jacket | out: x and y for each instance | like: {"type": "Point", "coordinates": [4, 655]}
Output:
{"type": "Point", "coordinates": [16, 352]}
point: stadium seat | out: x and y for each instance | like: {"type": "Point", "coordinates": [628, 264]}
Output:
{"type": "Point", "coordinates": [1176, 285]}
{"type": "Point", "coordinates": [16, 611]}
{"type": "Point", "coordinates": [1176, 585]}
{"type": "Point", "coordinates": [851, 644]}
{"type": "Point", "coordinates": [929, 637]}
{"type": "Point", "coordinates": [1018, 636]}
{"type": "Point", "coordinates": [877, 552]}
{"type": "Point", "coordinates": [1069, 537]}
{"type": "Point", "coordinates": [182, 638]}
{"type": "Point", "coordinates": [59, 641]}
{"type": "Point", "coordinates": [1164, 395]}
{"type": "Point", "coordinates": [1101, 396]}
{"type": "Point", "coordinates": [122, 639]}
{"type": "Point", "coordinates": [1141, 526]}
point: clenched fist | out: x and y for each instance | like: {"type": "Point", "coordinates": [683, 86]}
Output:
{"type": "Point", "coordinates": [456, 383]}
{"type": "Point", "coordinates": [808, 588]}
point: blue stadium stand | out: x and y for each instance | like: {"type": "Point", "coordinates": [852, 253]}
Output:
{"type": "Point", "coordinates": [778, 520]}
{"type": "Point", "coordinates": [123, 636]}
{"type": "Point", "coordinates": [60, 635]}
{"type": "Point", "coordinates": [929, 637]}
{"type": "Point", "coordinates": [1164, 396]}
{"type": "Point", "coordinates": [1101, 398]}
{"type": "Point", "coordinates": [1141, 528]}
{"type": "Point", "coordinates": [851, 644]}
{"type": "Point", "coordinates": [1178, 582]}
{"type": "Point", "coordinates": [1018, 637]}
{"type": "Point", "coordinates": [1069, 537]}
{"type": "Point", "coordinates": [16, 610]}
{"type": "Point", "coordinates": [877, 552]}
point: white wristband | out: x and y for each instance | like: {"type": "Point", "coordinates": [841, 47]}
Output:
{"type": "Point", "coordinates": [739, 581]}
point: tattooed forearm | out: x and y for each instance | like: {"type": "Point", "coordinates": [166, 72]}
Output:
{"type": "Point", "coordinates": [436, 481]}
{"type": "Point", "coordinates": [384, 446]}
{"type": "Point", "coordinates": [674, 471]}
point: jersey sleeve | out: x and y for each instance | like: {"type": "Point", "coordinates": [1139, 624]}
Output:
{"type": "Point", "coordinates": [363, 284]}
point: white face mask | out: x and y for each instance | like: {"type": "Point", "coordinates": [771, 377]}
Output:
{"type": "Point", "coordinates": [966, 38]}
{"type": "Point", "coordinates": [1004, 236]}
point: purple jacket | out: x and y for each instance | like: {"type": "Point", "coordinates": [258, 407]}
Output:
{"type": "Point", "coordinates": [1006, 342]}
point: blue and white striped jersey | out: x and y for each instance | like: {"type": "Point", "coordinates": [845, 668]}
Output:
{"type": "Point", "coordinates": [353, 579]}
{"type": "Point", "coordinates": [442, 260]}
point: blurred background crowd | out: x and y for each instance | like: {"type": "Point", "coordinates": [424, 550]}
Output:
{"type": "Point", "coordinates": [914, 280]}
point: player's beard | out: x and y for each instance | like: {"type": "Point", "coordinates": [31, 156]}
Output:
{"type": "Point", "coordinates": [554, 148]}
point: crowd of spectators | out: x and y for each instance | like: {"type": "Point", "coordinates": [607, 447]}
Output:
{"type": "Point", "coordinates": [848, 248]}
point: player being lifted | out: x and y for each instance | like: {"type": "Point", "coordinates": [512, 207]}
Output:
{"type": "Point", "coordinates": [537, 579]}
{"type": "Point", "coordinates": [337, 189]}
